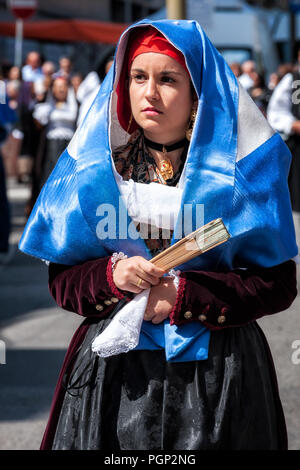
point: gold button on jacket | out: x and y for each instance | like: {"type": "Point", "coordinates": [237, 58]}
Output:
{"type": "Point", "coordinates": [221, 319]}
{"type": "Point", "coordinates": [188, 315]}
{"type": "Point", "coordinates": [107, 302]}
{"type": "Point", "coordinates": [99, 307]}
{"type": "Point", "coordinates": [202, 317]}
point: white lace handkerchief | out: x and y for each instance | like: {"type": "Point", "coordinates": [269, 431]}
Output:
{"type": "Point", "coordinates": [123, 332]}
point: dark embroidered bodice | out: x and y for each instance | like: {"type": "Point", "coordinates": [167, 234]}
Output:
{"type": "Point", "coordinates": [133, 161]}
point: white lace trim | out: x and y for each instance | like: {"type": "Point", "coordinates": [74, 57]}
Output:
{"type": "Point", "coordinates": [116, 257]}
{"type": "Point", "coordinates": [123, 332]}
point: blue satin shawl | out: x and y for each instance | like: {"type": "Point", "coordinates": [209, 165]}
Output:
{"type": "Point", "coordinates": [236, 166]}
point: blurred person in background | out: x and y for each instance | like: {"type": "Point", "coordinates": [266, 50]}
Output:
{"type": "Point", "coordinates": [86, 93]}
{"type": "Point", "coordinates": [14, 73]}
{"type": "Point", "coordinates": [283, 114]}
{"type": "Point", "coordinates": [23, 139]}
{"type": "Point", "coordinates": [236, 68]}
{"type": "Point", "coordinates": [7, 118]}
{"type": "Point", "coordinates": [34, 132]}
{"type": "Point", "coordinates": [105, 64]}
{"type": "Point", "coordinates": [65, 68]}
{"type": "Point", "coordinates": [12, 90]}
{"type": "Point", "coordinates": [32, 71]}
{"type": "Point", "coordinates": [56, 118]}
{"type": "Point", "coordinates": [283, 69]}
{"type": "Point", "coordinates": [12, 146]}
{"type": "Point", "coordinates": [48, 69]}
{"type": "Point", "coordinates": [245, 79]}
{"type": "Point", "coordinates": [273, 81]}
{"type": "Point", "coordinates": [259, 92]}
{"type": "Point", "coordinates": [40, 91]}
{"type": "Point", "coordinates": [89, 87]}
{"type": "Point", "coordinates": [76, 81]}
{"type": "Point", "coordinates": [47, 80]}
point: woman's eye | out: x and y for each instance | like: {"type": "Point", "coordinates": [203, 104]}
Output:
{"type": "Point", "coordinates": [139, 77]}
{"type": "Point", "coordinates": [167, 79]}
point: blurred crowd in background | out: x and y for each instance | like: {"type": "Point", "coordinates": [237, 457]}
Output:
{"type": "Point", "coordinates": [45, 103]}
{"type": "Point", "coordinates": [40, 108]}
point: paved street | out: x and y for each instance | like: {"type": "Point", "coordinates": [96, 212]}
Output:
{"type": "Point", "coordinates": [36, 334]}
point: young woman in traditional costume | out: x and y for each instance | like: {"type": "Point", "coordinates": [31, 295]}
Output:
{"type": "Point", "coordinates": [170, 131]}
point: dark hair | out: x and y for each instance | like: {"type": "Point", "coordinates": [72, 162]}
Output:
{"type": "Point", "coordinates": [101, 67]}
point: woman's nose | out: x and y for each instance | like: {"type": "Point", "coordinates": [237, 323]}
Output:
{"type": "Point", "coordinates": [152, 90]}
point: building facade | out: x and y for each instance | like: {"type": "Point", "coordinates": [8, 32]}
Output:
{"type": "Point", "coordinates": [85, 56]}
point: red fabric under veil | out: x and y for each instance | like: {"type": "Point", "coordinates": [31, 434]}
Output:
{"type": "Point", "coordinates": [142, 40]}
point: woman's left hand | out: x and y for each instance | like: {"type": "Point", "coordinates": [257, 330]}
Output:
{"type": "Point", "coordinates": [161, 300]}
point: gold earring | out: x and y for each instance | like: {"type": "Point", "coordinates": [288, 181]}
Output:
{"type": "Point", "coordinates": [189, 131]}
{"type": "Point", "coordinates": [130, 122]}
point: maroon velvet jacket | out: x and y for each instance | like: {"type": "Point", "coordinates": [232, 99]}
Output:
{"type": "Point", "coordinates": [216, 299]}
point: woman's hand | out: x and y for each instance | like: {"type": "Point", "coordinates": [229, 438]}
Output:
{"type": "Point", "coordinates": [136, 274]}
{"type": "Point", "coordinates": [161, 301]}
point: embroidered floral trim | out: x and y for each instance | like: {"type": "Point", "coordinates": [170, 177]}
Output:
{"type": "Point", "coordinates": [110, 280]}
{"type": "Point", "coordinates": [176, 277]}
{"type": "Point", "coordinates": [177, 306]}
{"type": "Point", "coordinates": [116, 257]}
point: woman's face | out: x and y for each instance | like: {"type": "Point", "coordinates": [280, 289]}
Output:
{"type": "Point", "coordinates": [160, 97]}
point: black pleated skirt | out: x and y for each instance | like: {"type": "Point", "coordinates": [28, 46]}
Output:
{"type": "Point", "coordinates": [138, 401]}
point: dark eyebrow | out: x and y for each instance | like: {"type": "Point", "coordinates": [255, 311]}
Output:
{"type": "Point", "coordinates": [164, 72]}
{"type": "Point", "coordinates": [167, 72]}
{"type": "Point", "coordinates": [137, 70]}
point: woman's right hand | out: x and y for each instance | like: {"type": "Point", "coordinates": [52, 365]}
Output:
{"type": "Point", "coordinates": [128, 272]}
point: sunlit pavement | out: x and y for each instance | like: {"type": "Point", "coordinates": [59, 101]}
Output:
{"type": "Point", "coordinates": [36, 334]}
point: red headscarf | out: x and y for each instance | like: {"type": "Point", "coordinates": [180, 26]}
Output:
{"type": "Point", "coordinates": [141, 41]}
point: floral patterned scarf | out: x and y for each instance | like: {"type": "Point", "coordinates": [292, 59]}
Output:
{"type": "Point", "coordinates": [133, 161]}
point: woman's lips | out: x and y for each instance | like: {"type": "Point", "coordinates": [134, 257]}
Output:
{"type": "Point", "coordinates": [151, 111]}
